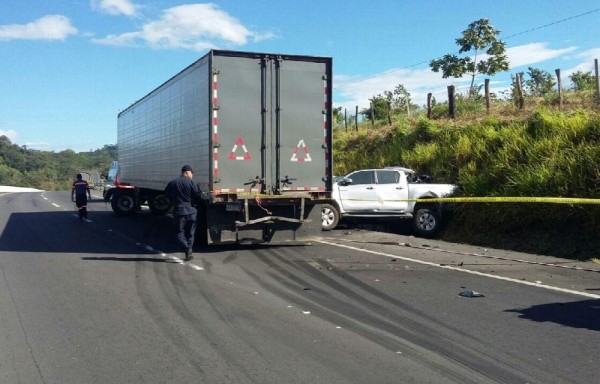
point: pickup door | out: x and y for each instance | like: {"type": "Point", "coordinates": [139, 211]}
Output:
{"type": "Point", "coordinates": [392, 191]}
{"type": "Point", "coordinates": [375, 191]}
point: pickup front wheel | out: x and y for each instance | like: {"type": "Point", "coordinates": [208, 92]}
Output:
{"type": "Point", "coordinates": [330, 217]}
{"type": "Point", "coordinates": [426, 222]}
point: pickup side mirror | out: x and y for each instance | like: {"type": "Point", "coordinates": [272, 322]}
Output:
{"type": "Point", "coordinates": [344, 182]}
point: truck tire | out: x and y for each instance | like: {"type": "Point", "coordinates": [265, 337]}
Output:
{"type": "Point", "coordinates": [123, 203]}
{"type": "Point", "coordinates": [426, 222]}
{"type": "Point", "coordinates": [159, 204]}
{"type": "Point", "coordinates": [330, 217]}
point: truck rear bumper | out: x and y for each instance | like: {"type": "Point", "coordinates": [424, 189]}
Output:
{"type": "Point", "coordinates": [264, 222]}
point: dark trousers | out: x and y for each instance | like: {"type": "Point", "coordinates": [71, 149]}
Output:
{"type": "Point", "coordinates": [186, 229]}
{"type": "Point", "coordinates": [81, 203]}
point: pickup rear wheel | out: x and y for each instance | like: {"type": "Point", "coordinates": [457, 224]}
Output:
{"type": "Point", "coordinates": [426, 222]}
{"type": "Point", "coordinates": [330, 217]}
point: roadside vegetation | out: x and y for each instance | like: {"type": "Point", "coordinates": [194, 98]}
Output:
{"type": "Point", "coordinates": [50, 171]}
{"type": "Point", "coordinates": [539, 151]}
{"type": "Point", "coordinates": [532, 141]}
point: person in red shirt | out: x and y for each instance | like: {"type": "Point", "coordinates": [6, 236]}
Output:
{"type": "Point", "coordinates": [79, 194]}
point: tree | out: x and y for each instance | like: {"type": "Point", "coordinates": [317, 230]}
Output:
{"type": "Point", "coordinates": [401, 98]}
{"type": "Point", "coordinates": [540, 82]}
{"type": "Point", "coordinates": [337, 117]}
{"type": "Point", "coordinates": [479, 37]}
{"type": "Point", "coordinates": [583, 80]}
{"type": "Point", "coordinates": [379, 108]}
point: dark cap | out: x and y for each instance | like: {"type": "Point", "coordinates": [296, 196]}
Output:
{"type": "Point", "coordinates": [187, 168]}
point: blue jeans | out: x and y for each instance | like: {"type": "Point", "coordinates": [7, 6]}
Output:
{"type": "Point", "coordinates": [186, 229]}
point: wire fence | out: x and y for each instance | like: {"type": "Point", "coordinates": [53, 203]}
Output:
{"type": "Point", "coordinates": [518, 95]}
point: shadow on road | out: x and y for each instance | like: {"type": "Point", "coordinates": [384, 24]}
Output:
{"type": "Point", "coordinates": [105, 233]}
{"type": "Point", "coordinates": [137, 259]}
{"type": "Point", "coordinates": [577, 314]}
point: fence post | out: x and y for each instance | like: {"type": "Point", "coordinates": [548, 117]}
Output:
{"type": "Point", "coordinates": [451, 101]}
{"type": "Point", "coordinates": [429, 105]}
{"type": "Point", "coordinates": [597, 81]}
{"type": "Point", "coordinates": [356, 119]}
{"type": "Point", "coordinates": [559, 84]}
{"type": "Point", "coordinates": [487, 96]}
{"type": "Point", "coordinates": [372, 115]}
{"type": "Point", "coordinates": [346, 119]}
{"type": "Point", "coordinates": [521, 101]}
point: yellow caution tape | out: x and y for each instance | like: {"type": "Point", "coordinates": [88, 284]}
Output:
{"type": "Point", "coordinates": [472, 199]}
{"type": "Point", "coordinates": [515, 199]}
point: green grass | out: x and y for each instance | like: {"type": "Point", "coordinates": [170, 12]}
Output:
{"type": "Point", "coordinates": [540, 151]}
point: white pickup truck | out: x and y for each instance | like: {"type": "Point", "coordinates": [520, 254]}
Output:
{"type": "Point", "coordinates": [387, 193]}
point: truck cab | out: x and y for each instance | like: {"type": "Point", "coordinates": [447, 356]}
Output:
{"type": "Point", "coordinates": [112, 179]}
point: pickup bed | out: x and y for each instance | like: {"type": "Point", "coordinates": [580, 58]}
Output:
{"type": "Point", "coordinates": [387, 193]}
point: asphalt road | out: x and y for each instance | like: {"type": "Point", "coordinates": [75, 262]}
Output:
{"type": "Point", "coordinates": [108, 300]}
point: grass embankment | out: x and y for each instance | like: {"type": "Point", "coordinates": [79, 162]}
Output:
{"type": "Point", "coordinates": [540, 153]}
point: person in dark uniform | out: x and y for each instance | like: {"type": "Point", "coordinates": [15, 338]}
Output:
{"type": "Point", "coordinates": [184, 193]}
{"type": "Point", "coordinates": [80, 190]}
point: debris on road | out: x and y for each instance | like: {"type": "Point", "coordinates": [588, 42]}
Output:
{"type": "Point", "coordinates": [470, 293]}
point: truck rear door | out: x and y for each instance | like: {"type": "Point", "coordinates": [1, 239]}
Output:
{"type": "Point", "coordinates": [269, 123]}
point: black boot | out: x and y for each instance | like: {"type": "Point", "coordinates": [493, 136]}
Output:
{"type": "Point", "coordinates": [188, 254]}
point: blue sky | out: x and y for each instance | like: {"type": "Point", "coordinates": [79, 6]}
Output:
{"type": "Point", "coordinates": [69, 66]}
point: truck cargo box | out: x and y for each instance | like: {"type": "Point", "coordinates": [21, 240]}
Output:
{"type": "Point", "coordinates": [245, 122]}
{"type": "Point", "coordinates": [256, 129]}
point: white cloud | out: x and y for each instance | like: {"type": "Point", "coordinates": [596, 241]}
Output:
{"type": "Point", "coordinates": [586, 65]}
{"type": "Point", "coordinates": [190, 26]}
{"type": "Point", "coordinates": [351, 91]}
{"type": "Point", "coordinates": [115, 7]}
{"type": "Point", "coordinates": [50, 27]}
{"type": "Point", "coordinates": [11, 134]}
{"type": "Point", "coordinates": [534, 53]}
{"type": "Point", "coordinates": [40, 146]}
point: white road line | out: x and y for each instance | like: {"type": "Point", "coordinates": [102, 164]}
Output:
{"type": "Point", "coordinates": [487, 256]}
{"type": "Point", "coordinates": [533, 284]}
{"type": "Point", "coordinates": [175, 259]}
{"type": "Point", "coordinates": [56, 205]}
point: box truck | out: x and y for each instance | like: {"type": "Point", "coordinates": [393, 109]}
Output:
{"type": "Point", "coordinates": [256, 129]}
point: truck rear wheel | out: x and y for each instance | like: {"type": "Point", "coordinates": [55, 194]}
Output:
{"type": "Point", "coordinates": [123, 203]}
{"type": "Point", "coordinates": [426, 222]}
{"type": "Point", "coordinates": [330, 217]}
{"type": "Point", "coordinates": [159, 204]}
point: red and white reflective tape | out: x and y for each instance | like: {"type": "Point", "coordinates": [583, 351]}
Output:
{"type": "Point", "coordinates": [215, 118]}
{"type": "Point", "coordinates": [232, 190]}
{"type": "Point", "coordinates": [325, 138]}
{"type": "Point", "coordinates": [315, 189]}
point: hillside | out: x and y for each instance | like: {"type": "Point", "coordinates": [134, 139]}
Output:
{"type": "Point", "coordinates": [51, 171]}
{"type": "Point", "coordinates": [540, 152]}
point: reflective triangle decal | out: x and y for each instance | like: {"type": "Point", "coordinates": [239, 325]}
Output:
{"type": "Point", "coordinates": [306, 155]}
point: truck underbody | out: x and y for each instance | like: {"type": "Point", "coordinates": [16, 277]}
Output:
{"type": "Point", "coordinates": [239, 218]}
